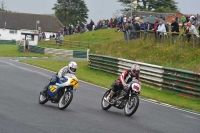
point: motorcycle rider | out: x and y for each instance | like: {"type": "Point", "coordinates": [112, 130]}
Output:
{"type": "Point", "coordinates": [71, 69]}
{"type": "Point", "coordinates": [122, 81]}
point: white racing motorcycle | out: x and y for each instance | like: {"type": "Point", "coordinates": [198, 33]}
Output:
{"type": "Point", "coordinates": [129, 101]}
{"type": "Point", "coordinates": [61, 92]}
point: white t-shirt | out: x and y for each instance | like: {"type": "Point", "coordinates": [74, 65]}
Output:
{"type": "Point", "coordinates": [194, 31]}
{"type": "Point", "coordinates": [161, 28]}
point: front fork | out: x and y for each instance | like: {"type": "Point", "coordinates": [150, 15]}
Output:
{"type": "Point", "coordinates": [129, 97]}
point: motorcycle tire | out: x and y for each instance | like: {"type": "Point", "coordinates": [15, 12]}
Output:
{"type": "Point", "coordinates": [42, 99]}
{"type": "Point", "coordinates": [64, 103]}
{"type": "Point", "coordinates": [132, 106]}
{"type": "Point", "coordinates": [104, 102]}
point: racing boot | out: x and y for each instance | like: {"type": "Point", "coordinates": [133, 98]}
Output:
{"type": "Point", "coordinates": [110, 96]}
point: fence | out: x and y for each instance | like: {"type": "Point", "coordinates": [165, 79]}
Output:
{"type": "Point", "coordinates": [11, 42]}
{"type": "Point", "coordinates": [169, 38]}
{"type": "Point", "coordinates": [56, 52]}
{"type": "Point", "coordinates": [72, 44]}
{"type": "Point", "coordinates": [183, 82]}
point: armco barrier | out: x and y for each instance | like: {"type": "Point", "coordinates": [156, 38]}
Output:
{"type": "Point", "coordinates": [11, 42]}
{"type": "Point", "coordinates": [21, 48]}
{"type": "Point", "coordinates": [57, 52]}
{"type": "Point", "coordinates": [182, 81]}
{"type": "Point", "coordinates": [79, 54]}
{"type": "Point", "coordinates": [186, 83]}
{"type": "Point", "coordinates": [36, 49]}
{"type": "Point", "coordinates": [150, 74]}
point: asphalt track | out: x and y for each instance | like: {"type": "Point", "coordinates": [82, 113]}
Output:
{"type": "Point", "coordinates": [20, 111]}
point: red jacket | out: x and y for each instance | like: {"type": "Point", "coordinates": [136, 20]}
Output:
{"type": "Point", "coordinates": [126, 77]}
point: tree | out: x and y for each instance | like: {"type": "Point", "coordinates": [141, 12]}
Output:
{"type": "Point", "coordinates": [71, 11]}
{"type": "Point", "coordinates": [151, 5]}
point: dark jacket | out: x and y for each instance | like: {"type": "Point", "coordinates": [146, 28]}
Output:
{"type": "Point", "coordinates": [175, 27]}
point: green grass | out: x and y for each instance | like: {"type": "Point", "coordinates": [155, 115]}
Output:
{"type": "Point", "coordinates": [105, 80]}
{"type": "Point", "coordinates": [111, 43]}
{"type": "Point", "coordinates": [95, 37]}
{"type": "Point", "coordinates": [12, 51]}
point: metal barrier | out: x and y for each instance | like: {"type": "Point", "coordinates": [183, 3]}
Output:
{"type": "Point", "coordinates": [20, 48]}
{"type": "Point", "coordinates": [56, 52]}
{"type": "Point", "coordinates": [186, 83]}
{"type": "Point", "coordinates": [182, 81]}
{"type": "Point", "coordinates": [36, 49]}
{"type": "Point", "coordinates": [10, 42]}
{"type": "Point", "coordinates": [150, 74]}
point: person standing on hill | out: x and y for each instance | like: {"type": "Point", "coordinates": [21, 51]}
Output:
{"type": "Point", "coordinates": [174, 26]}
{"type": "Point", "coordinates": [192, 30]}
{"type": "Point", "coordinates": [183, 20]}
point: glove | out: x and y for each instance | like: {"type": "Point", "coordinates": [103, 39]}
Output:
{"type": "Point", "coordinates": [124, 84]}
{"type": "Point", "coordinates": [62, 79]}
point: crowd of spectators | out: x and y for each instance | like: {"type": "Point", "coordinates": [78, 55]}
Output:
{"type": "Point", "coordinates": [133, 26]}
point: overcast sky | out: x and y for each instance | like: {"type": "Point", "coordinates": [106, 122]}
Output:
{"type": "Point", "coordinates": [99, 9]}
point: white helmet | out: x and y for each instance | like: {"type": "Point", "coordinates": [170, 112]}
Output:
{"type": "Point", "coordinates": [72, 67]}
{"type": "Point", "coordinates": [135, 69]}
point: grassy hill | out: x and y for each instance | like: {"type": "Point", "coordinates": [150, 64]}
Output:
{"type": "Point", "coordinates": [109, 42]}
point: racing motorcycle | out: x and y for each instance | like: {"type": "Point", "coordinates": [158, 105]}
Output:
{"type": "Point", "coordinates": [61, 92]}
{"type": "Point", "coordinates": [129, 101]}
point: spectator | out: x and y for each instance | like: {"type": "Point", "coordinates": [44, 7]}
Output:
{"type": "Point", "coordinates": [143, 25]}
{"type": "Point", "coordinates": [174, 26]}
{"type": "Point", "coordinates": [186, 31]}
{"type": "Point", "coordinates": [111, 23]}
{"type": "Point", "coordinates": [137, 28]}
{"type": "Point", "coordinates": [91, 25]}
{"type": "Point", "coordinates": [124, 20]}
{"type": "Point", "coordinates": [148, 25]}
{"type": "Point", "coordinates": [183, 21]}
{"type": "Point", "coordinates": [199, 28]}
{"type": "Point", "coordinates": [156, 24]}
{"type": "Point", "coordinates": [161, 29]}
{"type": "Point", "coordinates": [60, 39]}
{"type": "Point", "coordinates": [192, 29]}
{"type": "Point", "coordinates": [65, 30]}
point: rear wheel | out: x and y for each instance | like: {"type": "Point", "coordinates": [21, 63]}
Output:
{"type": "Point", "coordinates": [104, 104]}
{"type": "Point", "coordinates": [131, 106]}
{"type": "Point", "coordinates": [65, 100]}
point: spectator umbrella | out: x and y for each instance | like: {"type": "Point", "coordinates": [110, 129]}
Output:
{"type": "Point", "coordinates": [152, 20]}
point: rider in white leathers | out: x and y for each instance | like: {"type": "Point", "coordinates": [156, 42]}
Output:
{"type": "Point", "coordinates": [70, 69]}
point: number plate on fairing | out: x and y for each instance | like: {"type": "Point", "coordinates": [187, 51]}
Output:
{"type": "Point", "coordinates": [74, 82]}
{"type": "Point", "coordinates": [136, 87]}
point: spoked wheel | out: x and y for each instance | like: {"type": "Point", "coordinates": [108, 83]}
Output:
{"type": "Point", "coordinates": [104, 104]}
{"type": "Point", "coordinates": [42, 99]}
{"type": "Point", "coordinates": [131, 106]}
{"type": "Point", "coordinates": [65, 100]}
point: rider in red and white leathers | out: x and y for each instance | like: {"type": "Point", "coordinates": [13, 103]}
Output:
{"type": "Point", "coordinates": [122, 81]}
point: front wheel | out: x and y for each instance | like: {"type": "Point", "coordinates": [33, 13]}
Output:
{"type": "Point", "coordinates": [104, 104]}
{"type": "Point", "coordinates": [65, 100]}
{"type": "Point", "coordinates": [42, 99]}
{"type": "Point", "coordinates": [131, 106]}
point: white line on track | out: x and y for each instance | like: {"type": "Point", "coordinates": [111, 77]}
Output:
{"type": "Point", "coordinates": [147, 100]}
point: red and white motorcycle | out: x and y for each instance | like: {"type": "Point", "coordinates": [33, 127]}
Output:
{"type": "Point", "coordinates": [129, 101]}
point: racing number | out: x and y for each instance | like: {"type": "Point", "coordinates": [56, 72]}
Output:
{"type": "Point", "coordinates": [136, 87]}
{"type": "Point", "coordinates": [74, 82]}
{"type": "Point", "coordinates": [53, 88]}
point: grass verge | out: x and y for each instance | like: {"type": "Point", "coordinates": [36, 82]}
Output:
{"type": "Point", "coordinates": [105, 80]}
